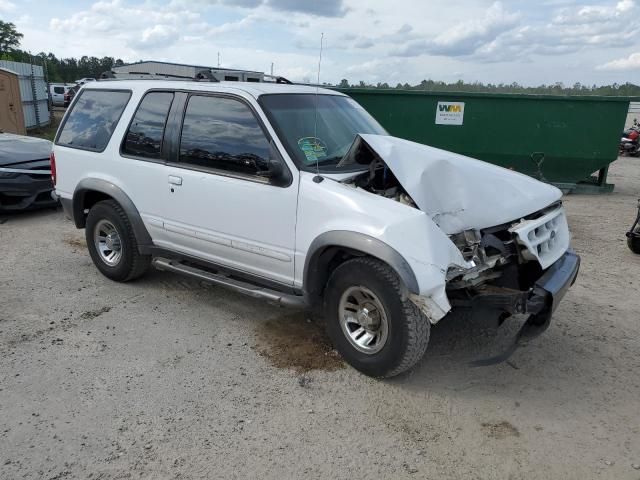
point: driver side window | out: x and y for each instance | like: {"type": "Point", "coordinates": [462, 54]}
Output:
{"type": "Point", "coordinates": [223, 134]}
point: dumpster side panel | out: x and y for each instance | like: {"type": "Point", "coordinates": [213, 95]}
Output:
{"type": "Point", "coordinates": [557, 139]}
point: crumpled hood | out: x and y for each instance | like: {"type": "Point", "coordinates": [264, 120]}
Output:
{"type": "Point", "coordinates": [19, 148]}
{"type": "Point", "coordinates": [458, 192]}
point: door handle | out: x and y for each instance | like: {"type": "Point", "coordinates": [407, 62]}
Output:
{"type": "Point", "coordinates": [174, 180]}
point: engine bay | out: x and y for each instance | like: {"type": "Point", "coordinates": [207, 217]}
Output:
{"type": "Point", "coordinates": [379, 179]}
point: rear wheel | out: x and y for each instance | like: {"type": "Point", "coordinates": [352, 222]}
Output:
{"type": "Point", "coordinates": [112, 243]}
{"type": "Point", "coordinates": [371, 320]}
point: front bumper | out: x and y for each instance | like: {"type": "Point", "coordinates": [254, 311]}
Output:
{"type": "Point", "coordinates": [539, 302]}
{"type": "Point", "coordinates": [542, 299]}
{"type": "Point", "coordinates": [24, 192]}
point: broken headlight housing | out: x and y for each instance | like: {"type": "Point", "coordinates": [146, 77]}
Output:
{"type": "Point", "coordinates": [471, 246]}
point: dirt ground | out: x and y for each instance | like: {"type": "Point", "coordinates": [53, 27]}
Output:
{"type": "Point", "coordinates": [170, 378]}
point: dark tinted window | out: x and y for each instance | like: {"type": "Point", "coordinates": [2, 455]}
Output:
{"type": "Point", "coordinates": [223, 133]}
{"type": "Point", "coordinates": [58, 89]}
{"type": "Point", "coordinates": [231, 78]}
{"type": "Point", "coordinates": [144, 137]}
{"type": "Point", "coordinates": [94, 117]}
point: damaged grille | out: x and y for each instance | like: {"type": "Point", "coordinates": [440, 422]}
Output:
{"type": "Point", "coordinates": [545, 238]}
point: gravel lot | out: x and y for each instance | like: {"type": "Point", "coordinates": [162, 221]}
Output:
{"type": "Point", "coordinates": [170, 378]}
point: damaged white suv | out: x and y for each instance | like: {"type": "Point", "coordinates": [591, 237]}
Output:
{"type": "Point", "coordinates": [300, 197]}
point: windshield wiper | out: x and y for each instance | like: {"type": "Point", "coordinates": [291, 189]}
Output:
{"type": "Point", "coordinates": [329, 160]}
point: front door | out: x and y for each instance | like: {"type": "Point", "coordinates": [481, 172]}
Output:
{"type": "Point", "coordinates": [220, 208]}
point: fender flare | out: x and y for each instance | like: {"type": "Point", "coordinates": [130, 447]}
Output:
{"type": "Point", "coordinates": [104, 186]}
{"type": "Point", "coordinates": [313, 266]}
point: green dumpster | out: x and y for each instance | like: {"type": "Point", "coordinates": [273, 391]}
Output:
{"type": "Point", "coordinates": [558, 139]}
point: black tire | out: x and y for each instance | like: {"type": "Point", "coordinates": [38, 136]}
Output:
{"type": "Point", "coordinates": [408, 328]}
{"type": "Point", "coordinates": [633, 242]}
{"type": "Point", "coordinates": [131, 264]}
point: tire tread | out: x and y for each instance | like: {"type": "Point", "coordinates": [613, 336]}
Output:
{"type": "Point", "coordinates": [418, 326]}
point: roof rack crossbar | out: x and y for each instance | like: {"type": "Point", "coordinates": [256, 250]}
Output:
{"type": "Point", "coordinates": [278, 79]}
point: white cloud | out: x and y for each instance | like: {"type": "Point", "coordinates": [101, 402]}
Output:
{"type": "Point", "coordinates": [463, 38]}
{"type": "Point", "coordinates": [157, 36]}
{"type": "Point", "coordinates": [632, 62]}
{"type": "Point", "coordinates": [7, 6]}
{"type": "Point", "coordinates": [374, 41]}
{"type": "Point", "coordinates": [323, 8]}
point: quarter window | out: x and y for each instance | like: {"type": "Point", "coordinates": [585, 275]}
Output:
{"type": "Point", "coordinates": [223, 134]}
{"type": "Point", "coordinates": [145, 134]}
{"type": "Point", "coordinates": [94, 117]}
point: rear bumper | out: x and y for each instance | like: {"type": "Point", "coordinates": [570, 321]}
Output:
{"type": "Point", "coordinates": [24, 192]}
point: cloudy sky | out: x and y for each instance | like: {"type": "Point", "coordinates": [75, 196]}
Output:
{"type": "Point", "coordinates": [530, 42]}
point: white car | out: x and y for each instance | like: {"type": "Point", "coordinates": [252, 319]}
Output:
{"type": "Point", "coordinates": [300, 197]}
{"type": "Point", "coordinates": [57, 91]}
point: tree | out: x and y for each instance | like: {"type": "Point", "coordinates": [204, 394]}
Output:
{"type": "Point", "coordinates": [344, 83]}
{"type": "Point", "coordinates": [9, 37]}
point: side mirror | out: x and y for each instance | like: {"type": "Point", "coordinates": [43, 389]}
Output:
{"type": "Point", "coordinates": [274, 173]}
{"type": "Point", "coordinates": [277, 173]}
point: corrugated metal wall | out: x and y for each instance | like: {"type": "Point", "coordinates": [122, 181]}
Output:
{"type": "Point", "coordinates": [31, 78]}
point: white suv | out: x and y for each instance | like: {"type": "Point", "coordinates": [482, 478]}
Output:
{"type": "Point", "coordinates": [299, 196]}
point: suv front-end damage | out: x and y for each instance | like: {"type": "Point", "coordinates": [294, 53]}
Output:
{"type": "Point", "coordinates": [522, 268]}
{"type": "Point", "coordinates": [510, 231]}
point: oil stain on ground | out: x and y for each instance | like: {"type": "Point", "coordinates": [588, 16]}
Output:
{"type": "Point", "coordinates": [291, 341]}
{"type": "Point", "coordinates": [500, 430]}
{"type": "Point", "coordinates": [76, 242]}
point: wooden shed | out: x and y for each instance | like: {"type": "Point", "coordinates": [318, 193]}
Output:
{"type": "Point", "coordinates": [11, 114]}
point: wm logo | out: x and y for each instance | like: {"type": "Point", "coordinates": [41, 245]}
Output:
{"type": "Point", "coordinates": [450, 108]}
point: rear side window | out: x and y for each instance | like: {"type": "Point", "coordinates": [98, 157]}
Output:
{"type": "Point", "coordinates": [95, 115]}
{"type": "Point", "coordinates": [223, 134]}
{"type": "Point", "coordinates": [58, 89]}
{"type": "Point", "coordinates": [145, 134]}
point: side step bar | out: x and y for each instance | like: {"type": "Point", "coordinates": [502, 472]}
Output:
{"type": "Point", "coordinates": [283, 299]}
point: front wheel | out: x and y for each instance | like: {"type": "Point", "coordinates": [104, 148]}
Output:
{"type": "Point", "coordinates": [370, 319]}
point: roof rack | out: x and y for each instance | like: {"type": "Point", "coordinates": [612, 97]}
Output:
{"type": "Point", "coordinates": [205, 75]}
{"type": "Point", "coordinates": [277, 79]}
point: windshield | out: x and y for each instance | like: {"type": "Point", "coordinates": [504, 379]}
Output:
{"type": "Point", "coordinates": [323, 136]}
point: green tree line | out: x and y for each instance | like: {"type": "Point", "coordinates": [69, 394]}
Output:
{"type": "Point", "coordinates": [625, 89]}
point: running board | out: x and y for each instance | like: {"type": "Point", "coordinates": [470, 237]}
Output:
{"type": "Point", "coordinates": [286, 300]}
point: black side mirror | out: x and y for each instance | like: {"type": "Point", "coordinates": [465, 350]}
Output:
{"type": "Point", "coordinates": [277, 173]}
{"type": "Point", "coordinates": [273, 172]}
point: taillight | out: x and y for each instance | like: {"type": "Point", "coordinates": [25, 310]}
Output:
{"type": "Point", "coordinates": [52, 160]}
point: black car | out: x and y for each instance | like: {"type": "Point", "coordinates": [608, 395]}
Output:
{"type": "Point", "coordinates": [25, 173]}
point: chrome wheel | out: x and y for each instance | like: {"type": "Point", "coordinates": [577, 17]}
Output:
{"type": "Point", "coordinates": [363, 320]}
{"type": "Point", "coordinates": [107, 241]}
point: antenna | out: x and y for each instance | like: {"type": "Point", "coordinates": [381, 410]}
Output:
{"type": "Point", "coordinates": [317, 178]}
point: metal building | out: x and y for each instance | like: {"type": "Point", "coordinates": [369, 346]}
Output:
{"type": "Point", "coordinates": [27, 107]}
{"type": "Point", "coordinates": [140, 69]}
